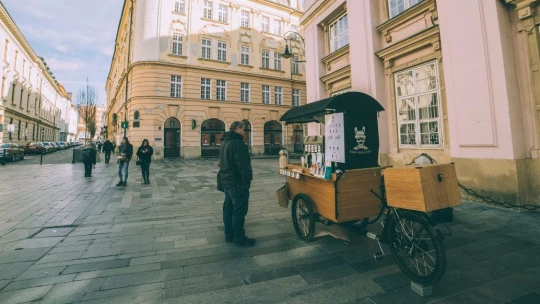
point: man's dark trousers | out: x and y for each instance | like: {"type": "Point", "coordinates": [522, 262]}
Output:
{"type": "Point", "coordinates": [87, 169]}
{"type": "Point", "coordinates": [235, 209]}
{"type": "Point", "coordinates": [107, 157]}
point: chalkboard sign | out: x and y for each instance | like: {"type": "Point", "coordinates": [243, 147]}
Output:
{"type": "Point", "coordinates": [361, 140]}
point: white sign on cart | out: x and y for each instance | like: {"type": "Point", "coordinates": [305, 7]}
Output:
{"type": "Point", "coordinates": [334, 150]}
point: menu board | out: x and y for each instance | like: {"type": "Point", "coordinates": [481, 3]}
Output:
{"type": "Point", "coordinates": [334, 146]}
{"type": "Point", "coordinates": [206, 139]}
{"type": "Point", "coordinates": [219, 136]}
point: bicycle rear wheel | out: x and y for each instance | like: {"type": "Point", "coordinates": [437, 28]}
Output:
{"type": "Point", "coordinates": [416, 247]}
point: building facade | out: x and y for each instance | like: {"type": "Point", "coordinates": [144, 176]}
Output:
{"type": "Point", "coordinates": [183, 71]}
{"type": "Point", "coordinates": [31, 101]}
{"type": "Point", "coordinates": [458, 79]}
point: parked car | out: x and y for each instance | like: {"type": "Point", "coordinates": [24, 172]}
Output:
{"type": "Point", "coordinates": [63, 145]}
{"type": "Point", "coordinates": [34, 148]}
{"type": "Point", "coordinates": [55, 146]}
{"type": "Point", "coordinates": [11, 152]}
{"type": "Point", "coordinates": [48, 147]}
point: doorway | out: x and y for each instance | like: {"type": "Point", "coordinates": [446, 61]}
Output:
{"type": "Point", "coordinates": [247, 134]}
{"type": "Point", "coordinates": [172, 138]}
{"type": "Point", "coordinates": [272, 137]}
{"type": "Point", "coordinates": [298, 138]}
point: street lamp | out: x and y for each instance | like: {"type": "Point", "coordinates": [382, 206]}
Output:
{"type": "Point", "coordinates": [289, 36]}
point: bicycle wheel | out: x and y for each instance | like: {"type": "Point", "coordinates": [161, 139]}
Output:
{"type": "Point", "coordinates": [303, 217]}
{"type": "Point", "coordinates": [416, 248]}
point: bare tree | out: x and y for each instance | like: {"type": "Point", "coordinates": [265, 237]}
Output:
{"type": "Point", "coordinates": [86, 104]}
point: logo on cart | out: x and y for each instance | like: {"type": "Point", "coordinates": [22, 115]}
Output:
{"type": "Point", "coordinates": [360, 137]}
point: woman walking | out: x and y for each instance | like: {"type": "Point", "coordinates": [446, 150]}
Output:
{"type": "Point", "coordinates": [145, 156]}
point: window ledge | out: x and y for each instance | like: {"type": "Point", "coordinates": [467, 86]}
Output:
{"type": "Point", "coordinates": [406, 15]}
{"type": "Point", "coordinates": [216, 61]}
{"type": "Point", "coordinates": [336, 54]}
{"type": "Point", "coordinates": [272, 70]}
{"type": "Point", "coordinates": [179, 13]}
{"type": "Point", "coordinates": [216, 21]}
{"type": "Point", "coordinates": [246, 27]}
{"type": "Point", "coordinates": [245, 66]}
{"type": "Point", "coordinates": [298, 74]}
{"type": "Point", "coordinates": [272, 35]}
{"type": "Point", "coordinates": [178, 56]}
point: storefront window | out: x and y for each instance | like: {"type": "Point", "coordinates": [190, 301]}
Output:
{"type": "Point", "coordinates": [211, 136]}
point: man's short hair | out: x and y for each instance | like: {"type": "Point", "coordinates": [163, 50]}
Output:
{"type": "Point", "coordinates": [237, 124]}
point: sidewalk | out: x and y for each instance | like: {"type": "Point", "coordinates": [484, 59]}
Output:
{"type": "Point", "coordinates": [65, 238]}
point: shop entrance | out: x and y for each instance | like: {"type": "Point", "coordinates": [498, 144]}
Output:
{"type": "Point", "coordinates": [211, 137]}
{"type": "Point", "coordinates": [272, 137]}
{"type": "Point", "coordinates": [172, 138]}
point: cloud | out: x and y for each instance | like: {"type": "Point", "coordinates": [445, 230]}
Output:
{"type": "Point", "coordinates": [109, 51]}
{"type": "Point", "coordinates": [61, 48]}
{"type": "Point", "coordinates": [64, 65]}
{"type": "Point", "coordinates": [39, 14]}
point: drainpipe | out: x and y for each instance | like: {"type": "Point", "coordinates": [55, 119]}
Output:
{"type": "Point", "coordinates": [128, 62]}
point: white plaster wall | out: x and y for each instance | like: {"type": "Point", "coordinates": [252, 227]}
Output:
{"type": "Point", "coordinates": [145, 33]}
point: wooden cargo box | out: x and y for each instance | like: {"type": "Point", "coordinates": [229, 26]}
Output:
{"type": "Point", "coordinates": [343, 200]}
{"type": "Point", "coordinates": [422, 187]}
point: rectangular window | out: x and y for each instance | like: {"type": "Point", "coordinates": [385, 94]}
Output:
{"type": "Point", "coordinates": [266, 94]}
{"type": "Point", "coordinates": [265, 59]}
{"type": "Point", "coordinates": [176, 86]}
{"type": "Point", "coordinates": [222, 13]}
{"type": "Point", "coordinates": [277, 27]}
{"type": "Point", "coordinates": [3, 87]}
{"type": "Point", "coordinates": [20, 101]}
{"type": "Point", "coordinates": [23, 66]}
{"type": "Point", "coordinates": [19, 131]}
{"type": "Point", "coordinates": [180, 6]}
{"type": "Point", "coordinates": [418, 107]}
{"type": "Point", "coordinates": [28, 103]}
{"type": "Point", "coordinates": [294, 28]}
{"type": "Point", "coordinates": [33, 132]}
{"type": "Point", "coordinates": [396, 7]}
{"type": "Point", "coordinates": [295, 98]}
{"type": "Point", "coordinates": [35, 106]}
{"type": "Point", "coordinates": [208, 5]}
{"type": "Point", "coordinates": [244, 19]}
{"type": "Point", "coordinates": [177, 44]}
{"type": "Point", "coordinates": [205, 88]}
{"type": "Point", "coordinates": [294, 64]}
{"type": "Point", "coordinates": [25, 130]}
{"type": "Point", "coordinates": [222, 51]}
{"type": "Point", "coordinates": [339, 33]}
{"type": "Point", "coordinates": [244, 92]}
{"type": "Point", "coordinates": [221, 89]}
{"type": "Point", "coordinates": [206, 48]}
{"type": "Point", "coordinates": [244, 57]}
{"type": "Point", "coordinates": [278, 96]}
{"type": "Point", "coordinates": [6, 50]}
{"type": "Point", "coordinates": [265, 24]}
{"type": "Point", "coordinates": [277, 61]}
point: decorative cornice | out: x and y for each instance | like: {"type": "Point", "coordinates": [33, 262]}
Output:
{"type": "Point", "coordinates": [429, 36]}
{"type": "Point", "coordinates": [525, 8]}
{"type": "Point", "coordinates": [337, 75]}
{"type": "Point", "coordinates": [335, 55]}
{"type": "Point", "coordinates": [275, 5]}
{"type": "Point", "coordinates": [422, 7]}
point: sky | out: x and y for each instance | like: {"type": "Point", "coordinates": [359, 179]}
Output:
{"type": "Point", "coordinates": [76, 37]}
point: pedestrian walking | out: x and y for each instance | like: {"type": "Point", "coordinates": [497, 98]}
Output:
{"type": "Point", "coordinates": [107, 149]}
{"type": "Point", "coordinates": [114, 146]}
{"type": "Point", "coordinates": [89, 159]}
{"type": "Point", "coordinates": [124, 157]}
{"type": "Point", "coordinates": [144, 153]}
{"type": "Point", "coordinates": [99, 146]}
{"type": "Point", "coordinates": [235, 175]}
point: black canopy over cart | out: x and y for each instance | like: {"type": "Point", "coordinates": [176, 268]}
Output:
{"type": "Point", "coordinates": [339, 180]}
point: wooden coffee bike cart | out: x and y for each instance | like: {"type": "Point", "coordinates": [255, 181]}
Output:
{"type": "Point", "coordinates": [339, 181]}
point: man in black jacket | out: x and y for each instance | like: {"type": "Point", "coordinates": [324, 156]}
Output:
{"type": "Point", "coordinates": [107, 149]}
{"type": "Point", "coordinates": [89, 159]}
{"type": "Point", "coordinates": [124, 156]}
{"type": "Point", "coordinates": [235, 176]}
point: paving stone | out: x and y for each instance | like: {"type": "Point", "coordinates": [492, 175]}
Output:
{"type": "Point", "coordinates": [3, 283]}
{"type": "Point", "coordinates": [262, 276]}
{"type": "Point", "coordinates": [25, 295]}
{"type": "Point", "coordinates": [131, 280]}
{"type": "Point", "coordinates": [24, 284]}
{"type": "Point", "coordinates": [40, 242]}
{"type": "Point", "coordinates": [183, 262]}
{"type": "Point", "coordinates": [74, 288]}
{"type": "Point", "coordinates": [13, 270]}
{"type": "Point", "coordinates": [96, 266]}
{"type": "Point", "coordinates": [40, 273]}
{"type": "Point", "coordinates": [24, 255]}
{"type": "Point", "coordinates": [182, 290]}
{"type": "Point", "coordinates": [133, 270]}
{"type": "Point", "coordinates": [54, 232]}
{"type": "Point", "coordinates": [324, 275]}
{"type": "Point", "coordinates": [529, 298]}
{"type": "Point", "coordinates": [106, 294]}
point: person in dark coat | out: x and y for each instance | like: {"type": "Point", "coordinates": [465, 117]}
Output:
{"type": "Point", "coordinates": [235, 175]}
{"type": "Point", "coordinates": [89, 159]}
{"type": "Point", "coordinates": [107, 149]}
{"type": "Point", "coordinates": [125, 152]}
{"type": "Point", "coordinates": [145, 153]}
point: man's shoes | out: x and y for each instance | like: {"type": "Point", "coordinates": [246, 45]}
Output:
{"type": "Point", "coordinates": [245, 242]}
{"type": "Point", "coordinates": [121, 183]}
{"type": "Point", "coordinates": [229, 239]}
{"type": "Point", "coordinates": [125, 184]}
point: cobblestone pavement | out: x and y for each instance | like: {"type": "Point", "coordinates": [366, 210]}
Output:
{"type": "Point", "coordinates": [65, 238]}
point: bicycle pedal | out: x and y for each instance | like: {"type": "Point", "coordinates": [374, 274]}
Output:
{"type": "Point", "coordinates": [378, 256]}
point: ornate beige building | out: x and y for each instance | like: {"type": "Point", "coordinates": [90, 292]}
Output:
{"type": "Point", "coordinates": [183, 71]}
{"type": "Point", "coordinates": [33, 105]}
{"type": "Point", "coordinates": [459, 80]}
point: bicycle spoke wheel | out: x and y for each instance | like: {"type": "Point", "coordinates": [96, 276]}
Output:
{"type": "Point", "coordinates": [303, 217]}
{"type": "Point", "coordinates": [416, 248]}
